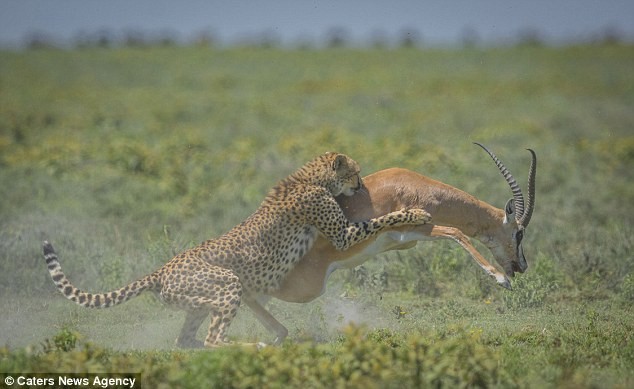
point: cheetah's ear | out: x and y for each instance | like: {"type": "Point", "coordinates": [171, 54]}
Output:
{"type": "Point", "coordinates": [340, 160]}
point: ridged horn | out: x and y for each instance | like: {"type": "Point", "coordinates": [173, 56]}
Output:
{"type": "Point", "coordinates": [530, 199]}
{"type": "Point", "coordinates": [518, 198]}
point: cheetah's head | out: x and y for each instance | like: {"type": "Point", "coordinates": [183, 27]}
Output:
{"type": "Point", "coordinates": [346, 179]}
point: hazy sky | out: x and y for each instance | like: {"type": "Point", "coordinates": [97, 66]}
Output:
{"type": "Point", "coordinates": [437, 21]}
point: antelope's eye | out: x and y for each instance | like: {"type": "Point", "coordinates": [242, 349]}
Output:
{"type": "Point", "coordinates": [519, 235]}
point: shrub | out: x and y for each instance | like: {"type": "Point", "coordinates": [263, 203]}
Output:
{"type": "Point", "coordinates": [360, 359]}
{"type": "Point", "coordinates": [530, 290]}
{"type": "Point", "coordinates": [627, 288]}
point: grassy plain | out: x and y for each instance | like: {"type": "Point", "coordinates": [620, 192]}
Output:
{"type": "Point", "coordinates": [123, 157]}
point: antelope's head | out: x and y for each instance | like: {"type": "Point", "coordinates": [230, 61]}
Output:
{"type": "Point", "coordinates": [506, 242]}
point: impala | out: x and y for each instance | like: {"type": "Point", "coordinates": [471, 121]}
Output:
{"type": "Point", "coordinates": [456, 215]}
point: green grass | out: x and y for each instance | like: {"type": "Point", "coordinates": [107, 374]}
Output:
{"type": "Point", "coordinates": [124, 157]}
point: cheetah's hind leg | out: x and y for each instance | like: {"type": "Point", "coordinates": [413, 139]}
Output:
{"type": "Point", "coordinates": [207, 289]}
{"type": "Point", "coordinates": [187, 337]}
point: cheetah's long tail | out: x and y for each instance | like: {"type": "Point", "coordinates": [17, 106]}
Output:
{"type": "Point", "coordinates": [89, 300]}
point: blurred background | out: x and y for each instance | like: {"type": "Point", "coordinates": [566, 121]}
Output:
{"type": "Point", "coordinates": [314, 23]}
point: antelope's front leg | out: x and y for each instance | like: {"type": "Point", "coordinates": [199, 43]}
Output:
{"type": "Point", "coordinates": [456, 235]}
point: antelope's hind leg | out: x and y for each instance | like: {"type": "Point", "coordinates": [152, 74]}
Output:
{"type": "Point", "coordinates": [270, 322]}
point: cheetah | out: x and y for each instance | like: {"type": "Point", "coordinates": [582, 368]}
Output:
{"type": "Point", "coordinates": [213, 278]}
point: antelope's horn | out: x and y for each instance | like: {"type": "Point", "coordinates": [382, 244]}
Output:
{"type": "Point", "coordinates": [530, 199]}
{"type": "Point", "coordinates": [517, 192]}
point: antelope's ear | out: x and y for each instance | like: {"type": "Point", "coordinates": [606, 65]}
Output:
{"type": "Point", "coordinates": [509, 210]}
{"type": "Point", "coordinates": [340, 160]}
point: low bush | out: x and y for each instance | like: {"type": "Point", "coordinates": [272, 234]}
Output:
{"type": "Point", "coordinates": [361, 358]}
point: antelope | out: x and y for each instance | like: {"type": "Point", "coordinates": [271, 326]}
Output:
{"type": "Point", "coordinates": [456, 215]}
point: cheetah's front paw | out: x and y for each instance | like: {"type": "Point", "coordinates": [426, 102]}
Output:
{"type": "Point", "coordinates": [417, 216]}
